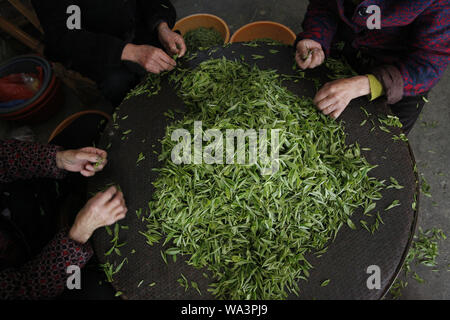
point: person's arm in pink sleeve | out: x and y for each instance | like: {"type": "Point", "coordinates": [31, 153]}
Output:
{"type": "Point", "coordinates": [26, 160]}
{"type": "Point", "coordinates": [46, 275]}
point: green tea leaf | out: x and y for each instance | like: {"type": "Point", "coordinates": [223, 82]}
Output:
{"type": "Point", "coordinates": [325, 283]}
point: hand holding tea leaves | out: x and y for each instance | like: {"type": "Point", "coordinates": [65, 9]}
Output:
{"type": "Point", "coordinates": [152, 59]}
{"type": "Point", "coordinates": [309, 54]}
{"type": "Point", "coordinates": [86, 161]}
{"type": "Point", "coordinates": [172, 41]}
{"type": "Point", "coordinates": [105, 209]}
{"type": "Point", "coordinates": [335, 96]}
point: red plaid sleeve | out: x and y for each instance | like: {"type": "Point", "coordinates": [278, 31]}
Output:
{"type": "Point", "coordinates": [24, 160]}
{"type": "Point", "coordinates": [45, 276]}
{"type": "Point", "coordinates": [429, 51]}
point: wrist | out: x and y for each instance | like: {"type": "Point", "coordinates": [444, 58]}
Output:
{"type": "Point", "coordinates": [128, 52]}
{"type": "Point", "coordinates": [362, 85]}
{"type": "Point", "coordinates": [59, 161]}
{"type": "Point", "coordinates": [79, 235]}
{"type": "Point", "coordinates": [162, 27]}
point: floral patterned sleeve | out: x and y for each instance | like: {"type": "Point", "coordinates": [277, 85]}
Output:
{"type": "Point", "coordinates": [25, 160]}
{"type": "Point", "coordinates": [45, 276]}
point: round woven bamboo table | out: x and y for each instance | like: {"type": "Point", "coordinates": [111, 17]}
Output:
{"type": "Point", "coordinates": [347, 260]}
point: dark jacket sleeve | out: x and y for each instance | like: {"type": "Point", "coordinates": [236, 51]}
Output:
{"type": "Point", "coordinates": [24, 160]}
{"type": "Point", "coordinates": [320, 24]}
{"type": "Point", "coordinates": [155, 12]}
{"type": "Point", "coordinates": [84, 51]}
{"type": "Point", "coordinates": [46, 275]}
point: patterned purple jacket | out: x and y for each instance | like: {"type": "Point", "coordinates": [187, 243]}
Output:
{"type": "Point", "coordinates": [412, 47]}
{"type": "Point", "coordinates": [45, 276]}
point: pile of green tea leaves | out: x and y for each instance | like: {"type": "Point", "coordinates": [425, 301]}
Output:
{"type": "Point", "coordinates": [253, 231]}
{"type": "Point", "coordinates": [267, 41]}
{"type": "Point", "coordinates": [202, 38]}
{"type": "Point", "coordinates": [149, 87]}
{"type": "Point", "coordinates": [340, 68]}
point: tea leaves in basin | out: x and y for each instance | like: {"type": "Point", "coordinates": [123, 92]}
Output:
{"type": "Point", "coordinates": [253, 231]}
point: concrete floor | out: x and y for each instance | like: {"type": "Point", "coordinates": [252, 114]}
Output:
{"type": "Point", "coordinates": [432, 151]}
{"type": "Point", "coordinates": [428, 138]}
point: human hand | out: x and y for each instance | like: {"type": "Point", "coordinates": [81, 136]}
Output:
{"type": "Point", "coordinates": [86, 161]}
{"type": "Point", "coordinates": [152, 59]}
{"type": "Point", "coordinates": [105, 209]}
{"type": "Point", "coordinates": [335, 96]}
{"type": "Point", "coordinates": [309, 54]}
{"type": "Point", "coordinates": [172, 41]}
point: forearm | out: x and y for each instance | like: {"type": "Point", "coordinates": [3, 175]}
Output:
{"type": "Point", "coordinates": [46, 275]}
{"type": "Point", "coordinates": [412, 75]}
{"type": "Point", "coordinates": [129, 52]}
{"type": "Point", "coordinates": [91, 53]}
{"type": "Point", "coordinates": [429, 50]}
{"type": "Point", "coordinates": [421, 71]}
{"type": "Point", "coordinates": [362, 85]}
{"type": "Point", "coordinates": [24, 160]}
